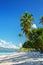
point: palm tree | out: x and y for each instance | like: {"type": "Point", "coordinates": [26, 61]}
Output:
{"type": "Point", "coordinates": [26, 22]}
{"type": "Point", "coordinates": [41, 20]}
{"type": "Point", "coordinates": [20, 35]}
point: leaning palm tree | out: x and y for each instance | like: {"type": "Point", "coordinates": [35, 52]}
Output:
{"type": "Point", "coordinates": [41, 20]}
{"type": "Point", "coordinates": [26, 22]}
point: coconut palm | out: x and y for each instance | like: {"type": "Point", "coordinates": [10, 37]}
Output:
{"type": "Point", "coordinates": [20, 35]}
{"type": "Point", "coordinates": [41, 20]}
{"type": "Point", "coordinates": [26, 22]}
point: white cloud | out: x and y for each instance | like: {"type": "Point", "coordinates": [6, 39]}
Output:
{"type": "Point", "coordinates": [5, 44]}
{"type": "Point", "coordinates": [20, 45]}
{"type": "Point", "coordinates": [34, 26]}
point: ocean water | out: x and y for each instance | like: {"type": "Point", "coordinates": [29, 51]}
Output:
{"type": "Point", "coordinates": [7, 51]}
{"type": "Point", "coordinates": [4, 53]}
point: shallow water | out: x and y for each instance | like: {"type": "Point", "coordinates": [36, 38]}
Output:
{"type": "Point", "coordinates": [4, 53]}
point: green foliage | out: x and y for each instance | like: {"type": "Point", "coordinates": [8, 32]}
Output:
{"type": "Point", "coordinates": [36, 39]}
{"type": "Point", "coordinates": [26, 22]}
{"type": "Point", "coordinates": [27, 44]}
{"type": "Point", "coordinates": [34, 36]}
{"type": "Point", "coordinates": [41, 20]}
{"type": "Point", "coordinates": [20, 35]}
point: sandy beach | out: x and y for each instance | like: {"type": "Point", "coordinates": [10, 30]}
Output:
{"type": "Point", "coordinates": [21, 58]}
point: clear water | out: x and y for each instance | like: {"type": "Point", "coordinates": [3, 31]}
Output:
{"type": "Point", "coordinates": [3, 53]}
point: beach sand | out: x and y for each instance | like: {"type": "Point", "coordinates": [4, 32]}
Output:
{"type": "Point", "coordinates": [22, 58]}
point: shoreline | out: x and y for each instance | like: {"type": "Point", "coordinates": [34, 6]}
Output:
{"type": "Point", "coordinates": [19, 58]}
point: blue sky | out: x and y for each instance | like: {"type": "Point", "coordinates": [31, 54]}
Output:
{"type": "Point", "coordinates": [10, 12]}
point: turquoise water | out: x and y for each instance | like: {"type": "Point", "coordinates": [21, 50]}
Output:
{"type": "Point", "coordinates": [2, 53]}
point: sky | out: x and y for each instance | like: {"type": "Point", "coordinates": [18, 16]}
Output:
{"type": "Point", "coordinates": [10, 13]}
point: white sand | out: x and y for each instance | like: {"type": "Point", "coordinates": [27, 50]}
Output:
{"type": "Point", "coordinates": [20, 58]}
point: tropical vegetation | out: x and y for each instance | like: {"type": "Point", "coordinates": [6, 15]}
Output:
{"type": "Point", "coordinates": [34, 36]}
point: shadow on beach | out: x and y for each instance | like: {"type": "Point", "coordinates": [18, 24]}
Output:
{"type": "Point", "coordinates": [23, 58]}
{"type": "Point", "coordinates": [30, 63]}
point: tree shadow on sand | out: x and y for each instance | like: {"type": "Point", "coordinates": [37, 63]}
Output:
{"type": "Point", "coordinates": [30, 63]}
